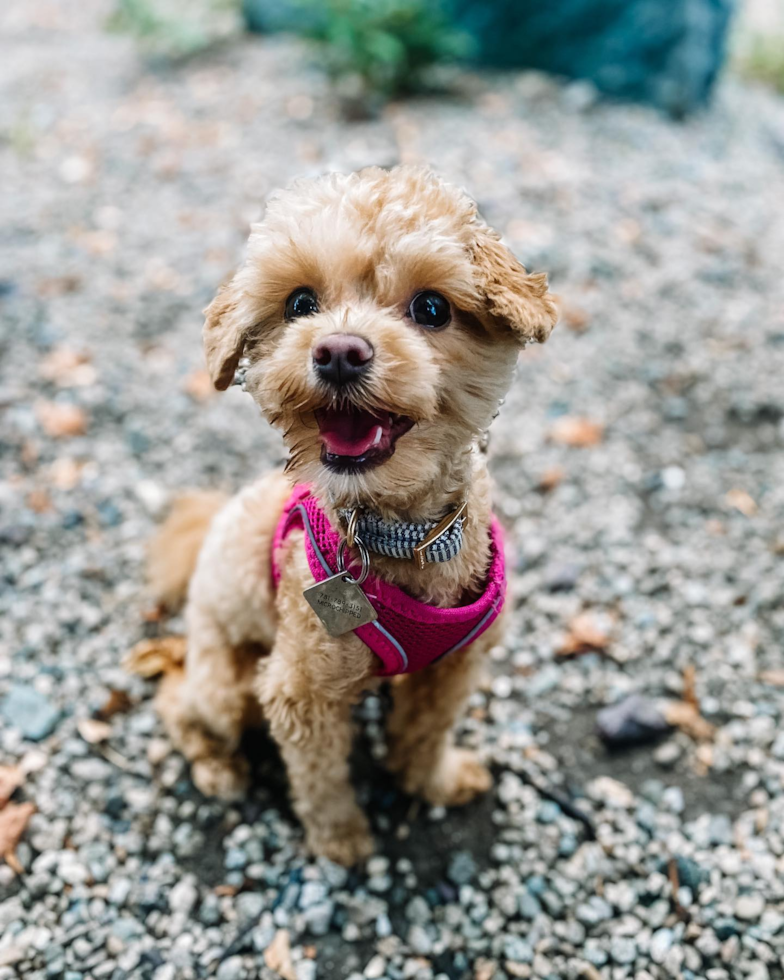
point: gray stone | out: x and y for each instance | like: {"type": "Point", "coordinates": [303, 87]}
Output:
{"type": "Point", "coordinates": [184, 896]}
{"type": "Point", "coordinates": [231, 969]}
{"type": "Point", "coordinates": [419, 940]}
{"type": "Point", "coordinates": [249, 906]}
{"type": "Point", "coordinates": [32, 713]}
{"type": "Point", "coordinates": [748, 908]}
{"type": "Point", "coordinates": [634, 720]}
{"type": "Point", "coordinates": [518, 950]}
{"type": "Point", "coordinates": [318, 917]}
{"type": "Point", "coordinates": [623, 950]}
{"type": "Point", "coordinates": [661, 941]}
{"type": "Point", "coordinates": [462, 868]}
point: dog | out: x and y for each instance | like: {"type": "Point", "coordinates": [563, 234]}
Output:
{"type": "Point", "coordinates": [379, 320]}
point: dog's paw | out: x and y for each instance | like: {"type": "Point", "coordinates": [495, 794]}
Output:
{"type": "Point", "coordinates": [458, 778]}
{"type": "Point", "coordinates": [345, 843]}
{"type": "Point", "coordinates": [228, 779]}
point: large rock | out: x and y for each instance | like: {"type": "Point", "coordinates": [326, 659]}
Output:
{"type": "Point", "coordinates": [29, 711]}
{"type": "Point", "coordinates": [664, 52]}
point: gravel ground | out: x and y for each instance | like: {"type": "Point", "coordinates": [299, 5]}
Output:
{"type": "Point", "coordinates": [639, 469]}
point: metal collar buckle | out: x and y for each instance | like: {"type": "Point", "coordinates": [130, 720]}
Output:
{"type": "Point", "coordinates": [420, 550]}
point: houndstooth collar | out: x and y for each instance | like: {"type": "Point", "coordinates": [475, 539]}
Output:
{"type": "Point", "coordinates": [398, 539]}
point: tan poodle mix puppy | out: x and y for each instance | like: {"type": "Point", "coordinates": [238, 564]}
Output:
{"type": "Point", "coordinates": [381, 320]}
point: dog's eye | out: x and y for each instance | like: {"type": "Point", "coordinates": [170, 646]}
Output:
{"type": "Point", "coordinates": [302, 302]}
{"type": "Point", "coordinates": [430, 309]}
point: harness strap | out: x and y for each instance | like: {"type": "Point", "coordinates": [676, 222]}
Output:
{"type": "Point", "coordinates": [408, 634]}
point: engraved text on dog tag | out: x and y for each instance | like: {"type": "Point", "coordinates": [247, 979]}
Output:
{"type": "Point", "coordinates": [340, 604]}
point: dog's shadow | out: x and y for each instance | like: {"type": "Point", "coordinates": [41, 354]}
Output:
{"type": "Point", "coordinates": [402, 825]}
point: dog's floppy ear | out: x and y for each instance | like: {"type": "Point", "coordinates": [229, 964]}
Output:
{"type": "Point", "coordinates": [223, 334]}
{"type": "Point", "coordinates": [514, 297]}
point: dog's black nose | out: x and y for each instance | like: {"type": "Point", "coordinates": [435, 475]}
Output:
{"type": "Point", "coordinates": [341, 358]}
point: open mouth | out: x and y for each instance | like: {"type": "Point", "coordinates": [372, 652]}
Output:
{"type": "Point", "coordinates": [353, 439]}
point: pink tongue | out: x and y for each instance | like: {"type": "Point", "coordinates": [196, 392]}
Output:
{"type": "Point", "coordinates": [347, 433]}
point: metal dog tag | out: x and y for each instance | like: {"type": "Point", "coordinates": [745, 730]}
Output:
{"type": "Point", "coordinates": [340, 604]}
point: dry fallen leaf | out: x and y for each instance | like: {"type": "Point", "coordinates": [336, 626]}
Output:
{"type": "Point", "coordinates": [152, 657]}
{"type": "Point", "coordinates": [774, 677]}
{"type": "Point", "coordinates": [690, 687]}
{"type": "Point", "coordinates": [61, 421]}
{"type": "Point", "coordinates": [58, 285]}
{"type": "Point", "coordinates": [703, 759]}
{"type": "Point", "coordinates": [199, 386]}
{"type": "Point", "coordinates": [686, 717]}
{"type": "Point", "coordinates": [628, 231]}
{"type": "Point", "coordinates": [65, 473]}
{"type": "Point", "coordinates": [11, 777]}
{"type": "Point", "coordinates": [575, 431]}
{"type": "Point", "coordinates": [93, 730]}
{"type": "Point", "coordinates": [13, 821]}
{"type": "Point", "coordinates": [226, 891]}
{"type": "Point", "coordinates": [742, 502]}
{"type": "Point", "coordinates": [485, 969]}
{"type": "Point", "coordinates": [277, 955]}
{"type": "Point", "coordinates": [154, 614]}
{"type": "Point", "coordinates": [585, 634]}
{"type": "Point", "coordinates": [117, 703]}
{"type": "Point", "coordinates": [68, 368]}
{"type": "Point", "coordinates": [550, 479]}
{"type": "Point", "coordinates": [575, 317]}
{"type": "Point", "coordinates": [39, 501]}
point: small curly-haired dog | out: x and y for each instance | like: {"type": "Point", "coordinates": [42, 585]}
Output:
{"type": "Point", "coordinates": [381, 320]}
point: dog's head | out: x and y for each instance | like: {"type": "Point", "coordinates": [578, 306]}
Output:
{"type": "Point", "coordinates": [382, 320]}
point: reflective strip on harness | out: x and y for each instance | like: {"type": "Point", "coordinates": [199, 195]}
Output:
{"type": "Point", "coordinates": [408, 634]}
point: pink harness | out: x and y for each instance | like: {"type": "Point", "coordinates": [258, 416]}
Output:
{"type": "Point", "coordinates": [408, 634]}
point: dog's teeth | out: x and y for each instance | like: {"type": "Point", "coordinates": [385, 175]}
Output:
{"type": "Point", "coordinates": [379, 434]}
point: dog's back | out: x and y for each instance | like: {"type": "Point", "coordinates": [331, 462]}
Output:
{"type": "Point", "coordinates": [175, 548]}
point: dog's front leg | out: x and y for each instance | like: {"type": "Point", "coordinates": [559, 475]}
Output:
{"type": "Point", "coordinates": [306, 691]}
{"type": "Point", "coordinates": [421, 744]}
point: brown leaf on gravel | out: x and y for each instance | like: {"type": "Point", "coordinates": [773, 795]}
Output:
{"type": "Point", "coordinates": [485, 969]}
{"type": "Point", "coordinates": [773, 677]}
{"type": "Point", "coordinates": [575, 317]}
{"type": "Point", "coordinates": [199, 386]}
{"type": "Point", "coordinates": [685, 716]}
{"type": "Point", "coordinates": [226, 891]}
{"type": "Point", "coordinates": [58, 285]}
{"type": "Point", "coordinates": [11, 778]}
{"type": "Point", "coordinates": [741, 501]}
{"type": "Point", "coordinates": [277, 955]}
{"type": "Point", "coordinates": [93, 730]}
{"type": "Point", "coordinates": [585, 635]}
{"type": "Point", "coordinates": [575, 431]}
{"type": "Point", "coordinates": [65, 473]}
{"type": "Point", "coordinates": [690, 686]}
{"type": "Point", "coordinates": [68, 368]}
{"type": "Point", "coordinates": [154, 614]}
{"type": "Point", "coordinates": [117, 703]}
{"type": "Point", "coordinates": [152, 657]}
{"type": "Point", "coordinates": [14, 818]}
{"type": "Point", "coordinates": [61, 421]}
{"type": "Point", "coordinates": [39, 501]}
{"type": "Point", "coordinates": [550, 479]}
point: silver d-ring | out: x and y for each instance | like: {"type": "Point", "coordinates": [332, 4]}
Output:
{"type": "Point", "coordinates": [363, 554]}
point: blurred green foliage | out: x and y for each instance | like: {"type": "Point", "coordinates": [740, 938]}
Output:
{"type": "Point", "coordinates": [175, 29]}
{"type": "Point", "coordinates": [762, 60]}
{"type": "Point", "coordinates": [380, 49]}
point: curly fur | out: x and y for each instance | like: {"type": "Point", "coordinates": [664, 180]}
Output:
{"type": "Point", "coordinates": [365, 243]}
